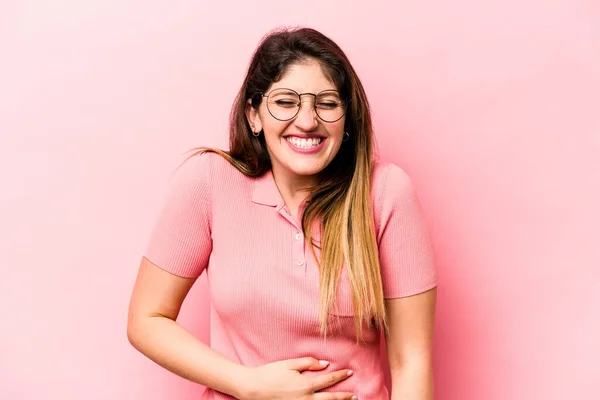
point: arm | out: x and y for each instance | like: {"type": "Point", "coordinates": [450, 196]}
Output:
{"type": "Point", "coordinates": [155, 303]}
{"type": "Point", "coordinates": [409, 277]}
{"type": "Point", "coordinates": [181, 245]}
{"type": "Point", "coordinates": [152, 329]}
{"type": "Point", "coordinates": [410, 345]}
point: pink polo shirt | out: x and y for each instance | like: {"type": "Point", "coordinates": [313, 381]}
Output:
{"type": "Point", "coordinates": [263, 279]}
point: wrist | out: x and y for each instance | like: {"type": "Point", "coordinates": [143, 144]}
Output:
{"type": "Point", "coordinates": [244, 385]}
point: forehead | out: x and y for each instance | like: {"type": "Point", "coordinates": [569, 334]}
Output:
{"type": "Point", "coordinates": [306, 77]}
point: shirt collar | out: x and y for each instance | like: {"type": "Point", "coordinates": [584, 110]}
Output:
{"type": "Point", "coordinates": [265, 192]}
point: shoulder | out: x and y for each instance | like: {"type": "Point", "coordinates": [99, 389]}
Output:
{"type": "Point", "coordinates": [198, 175]}
{"type": "Point", "coordinates": [393, 196]}
{"type": "Point", "coordinates": [206, 166]}
{"type": "Point", "coordinates": [389, 181]}
{"type": "Point", "coordinates": [224, 184]}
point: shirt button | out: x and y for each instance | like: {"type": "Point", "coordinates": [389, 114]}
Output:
{"type": "Point", "coordinates": [298, 236]}
{"type": "Point", "coordinates": [300, 262]}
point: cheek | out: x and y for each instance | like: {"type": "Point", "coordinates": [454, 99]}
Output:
{"type": "Point", "coordinates": [337, 131]}
{"type": "Point", "coordinates": [272, 131]}
{"type": "Point", "coordinates": [273, 128]}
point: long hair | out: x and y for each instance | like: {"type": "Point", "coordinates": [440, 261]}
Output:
{"type": "Point", "coordinates": [341, 203]}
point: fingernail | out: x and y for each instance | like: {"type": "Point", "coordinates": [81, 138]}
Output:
{"type": "Point", "coordinates": [350, 372]}
{"type": "Point", "coordinates": [323, 362]}
{"type": "Point", "coordinates": [354, 398]}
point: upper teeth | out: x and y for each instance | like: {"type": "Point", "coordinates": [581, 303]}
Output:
{"type": "Point", "coordinates": [306, 143]}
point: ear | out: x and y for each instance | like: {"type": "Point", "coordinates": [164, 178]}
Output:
{"type": "Point", "coordinates": [253, 117]}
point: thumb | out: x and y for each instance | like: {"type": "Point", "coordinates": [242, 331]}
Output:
{"type": "Point", "coordinates": [307, 364]}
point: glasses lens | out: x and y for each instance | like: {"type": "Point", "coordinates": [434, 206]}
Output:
{"type": "Point", "coordinates": [330, 106]}
{"type": "Point", "coordinates": [283, 104]}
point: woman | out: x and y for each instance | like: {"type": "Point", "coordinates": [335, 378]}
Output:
{"type": "Point", "coordinates": [312, 249]}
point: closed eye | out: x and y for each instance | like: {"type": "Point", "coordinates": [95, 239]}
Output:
{"type": "Point", "coordinates": [327, 105]}
{"type": "Point", "coordinates": [286, 103]}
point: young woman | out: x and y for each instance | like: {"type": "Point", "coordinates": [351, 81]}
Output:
{"type": "Point", "coordinates": [312, 248]}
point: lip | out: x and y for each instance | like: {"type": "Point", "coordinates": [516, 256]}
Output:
{"type": "Point", "coordinates": [312, 150]}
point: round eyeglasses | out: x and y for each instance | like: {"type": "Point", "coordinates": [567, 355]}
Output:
{"type": "Point", "coordinates": [284, 104]}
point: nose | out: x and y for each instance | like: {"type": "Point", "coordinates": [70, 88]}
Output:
{"type": "Point", "coordinates": [307, 116]}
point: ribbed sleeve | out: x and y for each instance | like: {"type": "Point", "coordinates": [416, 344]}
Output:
{"type": "Point", "coordinates": [405, 250]}
{"type": "Point", "coordinates": [180, 241]}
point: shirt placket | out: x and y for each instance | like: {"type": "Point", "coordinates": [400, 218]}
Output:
{"type": "Point", "coordinates": [298, 250]}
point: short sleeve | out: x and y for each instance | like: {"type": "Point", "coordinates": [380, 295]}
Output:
{"type": "Point", "coordinates": [180, 242]}
{"type": "Point", "coordinates": [405, 250]}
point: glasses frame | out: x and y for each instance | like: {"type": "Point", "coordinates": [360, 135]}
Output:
{"type": "Point", "coordinates": [344, 101]}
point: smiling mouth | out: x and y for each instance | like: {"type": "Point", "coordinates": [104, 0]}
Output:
{"type": "Point", "coordinates": [304, 143]}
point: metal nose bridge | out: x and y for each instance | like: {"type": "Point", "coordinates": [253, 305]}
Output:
{"type": "Point", "coordinates": [314, 103]}
{"type": "Point", "coordinates": [302, 94]}
{"type": "Point", "coordinates": [312, 108]}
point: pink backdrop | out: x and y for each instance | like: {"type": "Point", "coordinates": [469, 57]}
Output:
{"type": "Point", "coordinates": [493, 108]}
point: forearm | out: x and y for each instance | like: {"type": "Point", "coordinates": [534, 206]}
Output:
{"type": "Point", "coordinates": [168, 344]}
{"type": "Point", "coordinates": [412, 382]}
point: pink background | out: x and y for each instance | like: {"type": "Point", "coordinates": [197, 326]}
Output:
{"type": "Point", "coordinates": [493, 107]}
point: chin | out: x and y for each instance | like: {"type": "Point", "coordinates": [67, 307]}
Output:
{"type": "Point", "coordinates": [306, 170]}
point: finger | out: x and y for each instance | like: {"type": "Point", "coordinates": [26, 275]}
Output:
{"type": "Point", "coordinates": [324, 381]}
{"type": "Point", "coordinates": [307, 364]}
{"type": "Point", "coordinates": [334, 396]}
